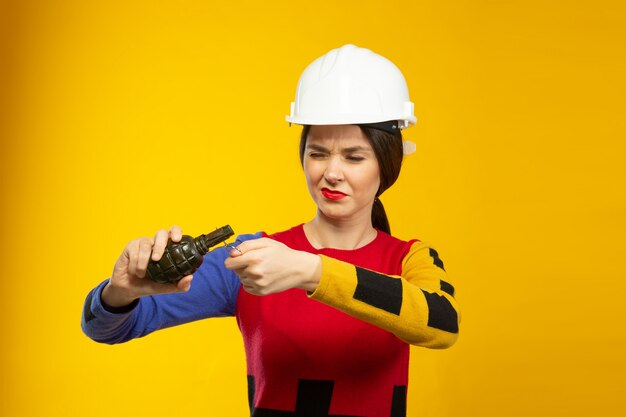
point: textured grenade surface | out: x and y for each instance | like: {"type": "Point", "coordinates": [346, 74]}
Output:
{"type": "Point", "coordinates": [183, 258]}
{"type": "Point", "coordinates": [178, 260]}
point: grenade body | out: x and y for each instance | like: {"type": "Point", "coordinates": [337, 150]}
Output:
{"type": "Point", "coordinates": [183, 258]}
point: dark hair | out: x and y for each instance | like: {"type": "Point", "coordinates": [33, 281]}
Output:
{"type": "Point", "coordinates": [389, 152]}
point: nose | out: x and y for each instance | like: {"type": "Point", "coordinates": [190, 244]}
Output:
{"type": "Point", "coordinates": [334, 171]}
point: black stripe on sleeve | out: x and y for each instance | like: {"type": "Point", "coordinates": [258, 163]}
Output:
{"type": "Point", "coordinates": [441, 313]}
{"type": "Point", "coordinates": [436, 260]}
{"type": "Point", "coordinates": [447, 287]}
{"type": "Point", "coordinates": [378, 290]}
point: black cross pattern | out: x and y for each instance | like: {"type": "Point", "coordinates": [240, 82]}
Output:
{"type": "Point", "coordinates": [313, 400]}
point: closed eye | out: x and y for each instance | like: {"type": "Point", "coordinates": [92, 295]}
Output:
{"type": "Point", "coordinates": [355, 158]}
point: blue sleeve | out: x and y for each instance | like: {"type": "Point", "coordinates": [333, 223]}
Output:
{"type": "Point", "coordinates": [213, 293]}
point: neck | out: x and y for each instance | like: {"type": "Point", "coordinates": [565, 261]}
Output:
{"type": "Point", "coordinates": [323, 232]}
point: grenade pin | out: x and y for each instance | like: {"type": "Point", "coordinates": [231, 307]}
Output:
{"type": "Point", "coordinates": [230, 246]}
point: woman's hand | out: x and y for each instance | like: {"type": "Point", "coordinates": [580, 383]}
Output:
{"type": "Point", "coordinates": [129, 280]}
{"type": "Point", "coordinates": [266, 266]}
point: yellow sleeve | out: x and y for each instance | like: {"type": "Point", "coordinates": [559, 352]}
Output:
{"type": "Point", "coordinates": [418, 306]}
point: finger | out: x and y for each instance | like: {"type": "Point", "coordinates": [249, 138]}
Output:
{"type": "Point", "coordinates": [241, 273]}
{"type": "Point", "coordinates": [237, 263]}
{"type": "Point", "coordinates": [254, 244]}
{"type": "Point", "coordinates": [184, 284]}
{"type": "Point", "coordinates": [154, 288]}
{"type": "Point", "coordinates": [160, 242]}
{"type": "Point", "coordinates": [176, 234]}
{"type": "Point", "coordinates": [145, 249]}
{"type": "Point", "coordinates": [133, 253]}
{"type": "Point", "coordinates": [248, 288]}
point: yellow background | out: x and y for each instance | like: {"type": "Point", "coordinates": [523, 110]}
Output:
{"type": "Point", "coordinates": [122, 117]}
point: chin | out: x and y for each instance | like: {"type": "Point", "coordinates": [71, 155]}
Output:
{"type": "Point", "coordinates": [335, 213]}
{"type": "Point", "coordinates": [331, 213]}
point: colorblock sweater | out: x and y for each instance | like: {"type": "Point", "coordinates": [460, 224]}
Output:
{"type": "Point", "coordinates": [342, 350]}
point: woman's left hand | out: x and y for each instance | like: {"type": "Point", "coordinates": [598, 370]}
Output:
{"type": "Point", "coordinates": [266, 266]}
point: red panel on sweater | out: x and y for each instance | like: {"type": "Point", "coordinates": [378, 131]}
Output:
{"type": "Point", "coordinates": [288, 337]}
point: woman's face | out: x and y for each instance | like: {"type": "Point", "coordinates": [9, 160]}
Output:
{"type": "Point", "coordinates": [342, 171]}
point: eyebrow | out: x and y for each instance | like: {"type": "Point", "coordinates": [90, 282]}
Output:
{"type": "Point", "coordinates": [347, 150]}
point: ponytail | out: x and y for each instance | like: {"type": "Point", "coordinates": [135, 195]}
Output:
{"type": "Point", "coordinates": [379, 217]}
{"type": "Point", "coordinates": [389, 153]}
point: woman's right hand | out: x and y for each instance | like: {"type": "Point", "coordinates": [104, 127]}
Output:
{"type": "Point", "coordinates": [130, 281]}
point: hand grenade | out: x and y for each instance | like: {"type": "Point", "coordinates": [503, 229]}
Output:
{"type": "Point", "coordinates": [183, 258]}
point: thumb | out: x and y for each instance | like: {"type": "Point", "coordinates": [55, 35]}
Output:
{"type": "Point", "coordinates": [122, 262]}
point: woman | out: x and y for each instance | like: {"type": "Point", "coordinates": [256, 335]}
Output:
{"type": "Point", "coordinates": [327, 309]}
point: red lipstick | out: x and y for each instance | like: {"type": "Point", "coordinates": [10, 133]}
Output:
{"type": "Point", "coordinates": [333, 194]}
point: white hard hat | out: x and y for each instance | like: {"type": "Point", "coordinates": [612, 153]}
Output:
{"type": "Point", "coordinates": [352, 85]}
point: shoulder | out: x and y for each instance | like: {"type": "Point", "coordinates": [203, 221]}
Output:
{"type": "Point", "coordinates": [422, 254]}
{"type": "Point", "coordinates": [389, 239]}
{"type": "Point", "coordinates": [384, 254]}
{"type": "Point", "coordinates": [386, 243]}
